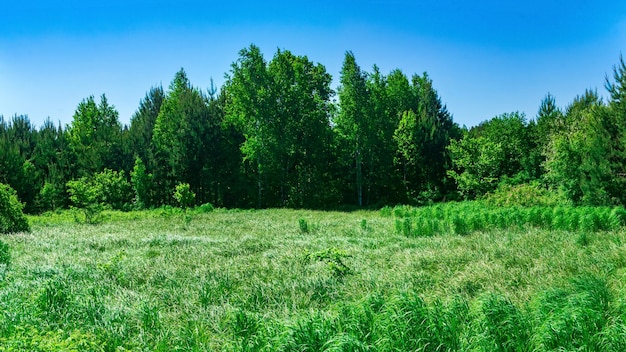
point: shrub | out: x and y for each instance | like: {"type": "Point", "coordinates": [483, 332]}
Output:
{"type": "Point", "coordinates": [524, 195]}
{"type": "Point", "coordinates": [141, 181]}
{"type": "Point", "coordinates": [12, 218]}
{"type": "Point", "coordinates": [184, 196]}
{"type": "Point", "coordinates": [86, 195]}
{"type": "Point", "coordinates": [5, 254]}
{"type": "Point", "coordinates": [107, 189]}
{"type": "Point", "coordinates": [205, 208]}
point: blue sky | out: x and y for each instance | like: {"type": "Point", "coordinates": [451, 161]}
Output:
{"type": "Point", "coordinates": [485, 57]}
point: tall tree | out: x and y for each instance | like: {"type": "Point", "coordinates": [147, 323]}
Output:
{"type": "Point", "coordinates": [182, 139]}
{"type": "Point", "coordinates": [283, 111]}
{"type": "Point", "coordinates": [95, 136]}
{"type": "Point", "coordinates": [422, 137]}
{"type": "Point", "coordinates": [142, 124]}
{"type": "Point", "coordinates": [352, 120]}
{"type": "Point", "coordinates": [247, 109]}
{"type": "Point", "coordinates": [299, 138]}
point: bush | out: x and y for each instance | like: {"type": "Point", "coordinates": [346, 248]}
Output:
{"type": "Point", "coordinates": [524, 195]}
{"type": "Point", "coordinates": [107, 189]}
{"type": "Point", "coordinates": [86, 195]}
{"type": "Point", "coordinates": [12, 218]}
{"type": "Point", "coordinates": [184, 196]}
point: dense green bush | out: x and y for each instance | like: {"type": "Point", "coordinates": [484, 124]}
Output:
{"type": "Point", "coordinates": [184, 196]}
{"type": "Point", "coordinates": [524, 195]}
{"type": "Point", "coordinates": [107, 189]}
{"type": "Point", "coordinates": [12, 218]}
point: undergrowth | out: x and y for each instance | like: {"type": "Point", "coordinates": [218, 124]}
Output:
{"type": "Point", "coordinates": [467, 217]}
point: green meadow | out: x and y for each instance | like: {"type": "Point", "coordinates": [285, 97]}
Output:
{"type": "Point", "coordinates": [452, 277]}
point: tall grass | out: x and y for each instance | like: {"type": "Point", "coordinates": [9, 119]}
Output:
{"type": "Point", "coordinates": [467, 217]}
{"type": "Point", "coordinates": [447, 277]}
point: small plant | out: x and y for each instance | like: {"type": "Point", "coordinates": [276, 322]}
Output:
{"type": "Point", "coordinates": [304, 225]}
{"type": "Point", "coordinates": [5, 254]}
{"type": "Point", "coordinates": [334, 258]}
{"type": "Point", "coordinates": [582, 239]}
{"type": "Point", "coordinates": [86, 195]}
{"type": "Point", "coordinates": [55, 297]}
{"type": "Point", "coordinates": [205, 208]}
{"type": "Point", "coordinates": [363, 224]}
{"type": "Point", "coordinates": [184, 196]}
{"type": "Point", "coordinates": [12, 218]}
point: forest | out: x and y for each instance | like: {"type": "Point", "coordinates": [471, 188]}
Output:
{"type": "Point", "coordinates": [277, 135]}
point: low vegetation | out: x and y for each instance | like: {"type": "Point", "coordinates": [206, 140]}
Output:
{"type": "Point", "coordinates": [12, 218]}
{"type": "Point", "coordinates": [289, 280]}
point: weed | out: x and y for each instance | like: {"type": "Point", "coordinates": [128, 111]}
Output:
{"type": "Point", "coordinates": [363, 225]}
{"type": "Point", "coordinates": [304, 225]}
{"type": "Point", "coordinates": [5, 254]}
{"type": "Point", "coordinates": [334, 259]}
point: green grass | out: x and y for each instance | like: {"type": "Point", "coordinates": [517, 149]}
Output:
{"type": "Point", "coordinates": [295, 280]}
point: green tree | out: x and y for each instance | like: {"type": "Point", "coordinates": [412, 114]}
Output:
{"type": "Point", "coordinates": [352, 120]}
{"type": "Point", "coordinates": [615, 123]}
{"type": "Point", "coordinates": [12, 218]}
{"type": "Point", "coordinates": [185, 138]}
{"type": "Point", "coordinates": [56, 165]}
{"type": "Point", "coordinates": [95, 136]}
{"type": "Point", "coordinates": [184, 196]}
{"type": "Point", "coordinates": [247, 109]}
{"type": "Point", "coordinates": [142, 124]}
{"type": "Point", "coordinates": [141, 181]}
{"type": "Point", "coordinates": [86, 195]}
{"type": "Point", "coordinates": [476, 165]}
{"type": "Point", "coordinates": [577, 161]}
{"type": "Point", "coordinates": [299, 138]}
{"type": "Point", "coordinates": [386, 96]}
{"type": "Point", "coordinates": [17, 142]}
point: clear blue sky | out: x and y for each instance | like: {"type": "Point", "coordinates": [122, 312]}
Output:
{"type": "Point", "coordinates": [485, 57]}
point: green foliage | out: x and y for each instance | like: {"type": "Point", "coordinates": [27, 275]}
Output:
{"type": "Point", "coordinates": [524, 195]}
{"type": "Point", "coordinates": [490, 152]}
{"type": "Point", "coordinates": [477, 162]}
{"type": "Point", "coordinates": [334, 259]}
{"type": "Point", "coordinates": [141, 181]}
{"type": "Point", "coordinates": [465, 218]}
{"type": "Point", "coordinates": [577, 162]}
{"type": "Point", "coordinates": [287, 148]}
{"type": "Point", "coordinates": [29, 338]}
{"type": "Point", "coordinates": [93, 136]}
{"type": "Point", "coordinates": [86, 195]}
{"type": "Point", "coordinates": [5, 254]}
{"type": "Point", "coordinates": [107, 189]}
{"type": "Point", "coordinates": [304, 225]}
{"type": "Point", "coordinates": [204, 208]}
{"type": "Point", "coordinates": [12, 218]}
{"type": "Point", "coordinates": [184, 196]}
{"type": "Point", "coordinates": [51, 196]}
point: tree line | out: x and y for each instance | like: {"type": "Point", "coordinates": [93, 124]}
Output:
{"type": "Point", "coordinates": [277, 135]}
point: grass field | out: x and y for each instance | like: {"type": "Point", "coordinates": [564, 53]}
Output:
{"type": "Point", "coordinates": [401, 279]}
